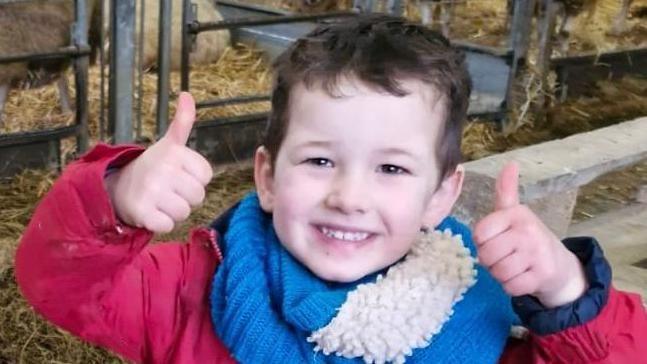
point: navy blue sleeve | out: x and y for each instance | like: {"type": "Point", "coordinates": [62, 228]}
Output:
{"type": "Point", "coordinates": [545, 321]}
{"type": "Point", "coordinates": [221, 224]}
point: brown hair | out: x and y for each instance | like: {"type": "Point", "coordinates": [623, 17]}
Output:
{"type": "Point", "coordinates": [379, 51]}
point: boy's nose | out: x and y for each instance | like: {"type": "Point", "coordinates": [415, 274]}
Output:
{"type": "Point", "coordinates": [348, 195]}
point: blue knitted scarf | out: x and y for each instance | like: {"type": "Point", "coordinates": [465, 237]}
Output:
{"type": "Point", "coordinates": [264, 303]}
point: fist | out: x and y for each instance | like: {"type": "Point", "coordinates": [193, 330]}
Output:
{"type": "Point", "coordinates": [159, 188]}
{"type": "Point", "coordinates": [522, 253]}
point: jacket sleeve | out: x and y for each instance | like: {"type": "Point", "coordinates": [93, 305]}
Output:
{"type": "Point", "coordinates": [85, 271]}
{"type": "Point", "coordinates": [603, 326]}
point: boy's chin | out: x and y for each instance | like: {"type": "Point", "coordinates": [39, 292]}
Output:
{"type": "Point", "coordinates": [341, 273]}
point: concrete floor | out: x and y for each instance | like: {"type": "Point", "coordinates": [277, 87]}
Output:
{"type": "Point", "coordinates": [623, 236]}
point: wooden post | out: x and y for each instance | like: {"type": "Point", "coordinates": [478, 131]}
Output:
{"type": "Point", "coordinates": [546, 29]}
{"type": "Point", "coordinates": [519, 41]}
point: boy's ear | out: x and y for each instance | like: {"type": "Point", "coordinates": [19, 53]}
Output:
{"type": "Point", "coordinates": [264, 178]}
{"type": "Point", "coordinates": [443, 199]}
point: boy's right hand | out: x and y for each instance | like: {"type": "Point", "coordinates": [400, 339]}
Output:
{"type": "Point", "coordinates": [522, 253]}
{"type": "Point", "coordinates": [158, 189]}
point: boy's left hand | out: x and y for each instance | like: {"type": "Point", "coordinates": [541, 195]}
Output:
{"type": "Point", "coordinates": [522, 253]}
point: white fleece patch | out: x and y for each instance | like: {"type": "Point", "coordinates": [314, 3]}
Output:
{"type": "Point", "coordinates": [385, 321]}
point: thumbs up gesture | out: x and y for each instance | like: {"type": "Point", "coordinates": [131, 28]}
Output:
{"type": "Point", "coordinates": [159, 188]}
{"type": "Point", "coordinates": [522, 253]}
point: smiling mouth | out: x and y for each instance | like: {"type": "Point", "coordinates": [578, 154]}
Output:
{"type": "Point", "coordinates": [349, 236]}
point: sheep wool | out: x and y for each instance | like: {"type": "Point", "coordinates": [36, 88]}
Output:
{"type": "Point", "coordinates": [401, 311]}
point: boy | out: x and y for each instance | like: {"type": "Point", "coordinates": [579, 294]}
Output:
{"type": "Point", "coordinates": [361, 153]}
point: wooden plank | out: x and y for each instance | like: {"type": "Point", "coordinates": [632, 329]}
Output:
{"type": "Point", "coordinates": [551, 172]}
{"type": "Point", "coordinates": [561, 165]}
{"type": "Point", "coordinates": [623, 237]}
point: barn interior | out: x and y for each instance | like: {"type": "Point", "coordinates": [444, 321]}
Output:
{"type": "Point", "coordinates": [553, 82]}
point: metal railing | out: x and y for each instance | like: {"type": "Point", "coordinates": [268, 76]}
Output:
{"type": "Point", "coordinates": [79, 52]}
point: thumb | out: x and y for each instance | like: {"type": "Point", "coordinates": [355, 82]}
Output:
{"type": "Point", "coordinates": [507, 187]}
{"type": "Point", "coordinates": [180, 129]}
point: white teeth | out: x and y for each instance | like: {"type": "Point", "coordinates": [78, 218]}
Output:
{"type": "Point", "coordinates": [343, 235]}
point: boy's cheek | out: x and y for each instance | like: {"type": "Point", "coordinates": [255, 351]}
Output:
{"type": "Point", "coordinates": [408, 197]}
{"type": "Point", "coordinates": [301, 181]}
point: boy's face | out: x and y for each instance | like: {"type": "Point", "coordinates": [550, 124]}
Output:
{"type": "Point", "coordinates": [356, 178]}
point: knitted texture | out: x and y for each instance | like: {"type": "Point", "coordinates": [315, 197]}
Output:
{"type": "Point", "coordinates": [402, 311]}
{"type": "Point", "coordinates": [265, 304]}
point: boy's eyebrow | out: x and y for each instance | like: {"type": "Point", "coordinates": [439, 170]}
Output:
{"type": "Point", "coordinates": [399, 151]}
{"type": "Point", "coordinates": [315, 143]}
{"type": "Point", "coordinates": [384, 151]}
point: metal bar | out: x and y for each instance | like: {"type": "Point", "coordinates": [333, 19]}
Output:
{"type": "Point", "coordinates": [81, 64]}
{"type": "Point", "coordinates": [164, 66]}
{"type": "Point", "coordinates": [547, 27]}
{"type": "Point", "coordinates": [519, 40]}
{"type": "Point", "coordinates": [140, 69]}
{"type": "Point", "coordinates": [237, 119]}
{"type": "Point", "coordinates": [395, 7]}
{"type": "Point", "coordinates": [187, 18]}
{"type": "Point", "coordinates": [62, 53]}
{"type": "Point", "coordinates": [121, 69]}
{"type": "Point", "coordinates": [600, 58]}
{"type": "Point", "coordinates": [480, 48]}
{"type": "Point", "coordinates": [521, 26]}
{"type": "Point", "coordinates": [576, 75]}
{"type": "Point", "coordinates": [231, 101]}
{"type": "Point", "coordinates": [265, 20]}
{"type": "Point", "coordinates": [37, 136]}
{"type": "Point", "coordinates": [369, 5]}
{"type": "Point", "coordinates": [102, 73]}
{"type": "Point", "coordinates": [255, 7]}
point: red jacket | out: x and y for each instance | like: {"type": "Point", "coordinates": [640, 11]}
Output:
{"type": "Point", "coordinates": [99, 279]}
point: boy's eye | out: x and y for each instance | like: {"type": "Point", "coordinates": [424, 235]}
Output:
{"type": "Point", "coordinates": [392, 169]}
{"type": "Point", "coordinates": [320, 162]}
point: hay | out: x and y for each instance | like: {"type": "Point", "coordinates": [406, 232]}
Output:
{"type": "Point", "coordinates": [276, 4]}
{"type": "Point", "coordinates": [241, 70]}
{"type": "Point", "coordinates": [594, 32]}
{"type": "Point", "coordinates": [24, 336]}
{"type": "Point", "coordinates": [610, 102]}
{"type": "Point", "coordinates": [610, 192]}
{"type": "Point", "coordinates": [34, 109]}
{"type": "Point", "coordinates": [17, 197]}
